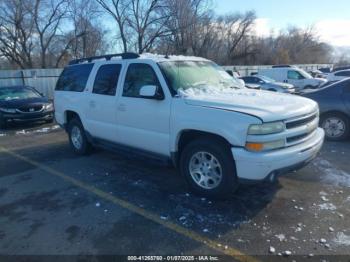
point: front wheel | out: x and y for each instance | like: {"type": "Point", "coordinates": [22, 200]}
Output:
{"type": "Point", "coordinates": [77, 137]}
{"type": "Point", "coordinates": [209, 169]}
{"type": "Point", "coordinates": [336, 126]}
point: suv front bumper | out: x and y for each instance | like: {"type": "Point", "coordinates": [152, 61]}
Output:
{"type": "Point", "coordinates": [251, 166]}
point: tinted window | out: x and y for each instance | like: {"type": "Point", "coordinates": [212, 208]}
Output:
{"type": "Point", "coordinates": [106, 80]}
{"type": "Point", "coordinates": [138, 75]}
{"type": "Point", "coordinates": [294, 75]}
{"type": "Point", "coordinates": [347, 73]}
{"type": "Point", "coordinates": [74, 78]}
{"type": "Point", "coordinates": [249, 79]}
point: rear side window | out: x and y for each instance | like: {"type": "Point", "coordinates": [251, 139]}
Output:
{"type": "Point", "coordinates": [74, 78]}
{"type": "Point", "coordinates": [106, 80]}
{"type": "Point", "coordinates": [137, 76]}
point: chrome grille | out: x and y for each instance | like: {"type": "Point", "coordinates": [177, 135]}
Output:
{"type": "Point", "coordinates": [301, 122]}
{"type": "Point", "coordinates": [301, 128]}
{"type": "Point", "coordinates": [30, 109]}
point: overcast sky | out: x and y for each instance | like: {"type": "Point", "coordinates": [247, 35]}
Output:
{"type": "Point", "coordinates": [331, 18]}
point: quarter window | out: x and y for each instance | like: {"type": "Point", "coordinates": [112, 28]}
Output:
{"type": "Point", "coordinates": [106, 80]}
{"type": "Point", "coordinates": [74, 78]}
{"type": "Point", "coordinates": [137, 76]}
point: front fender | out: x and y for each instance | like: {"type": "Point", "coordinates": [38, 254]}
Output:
{"type": "Point", "coordinates": [230, 125]}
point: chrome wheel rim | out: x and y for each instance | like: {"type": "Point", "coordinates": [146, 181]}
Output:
{"type": "Point", "coordinates": [334, 127]}
{"type": "Point", "coordinates": [76, 137]}
{"type": "Point", "coordinates": [205, 170]}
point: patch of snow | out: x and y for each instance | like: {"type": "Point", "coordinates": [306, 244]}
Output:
{"type": "Point", "coordinates": [331, 229]}
{"type": "Point", "coordinates": [327, 206]}
{"type": "Point", "coordinates": [287, 253]}
{"type": "Point", "coordinates": [2, 134]}
{"type": "Point", "coordinates": [22, 132]}
{"type": "Point", "coordinates": [205, 230]}
{"type": "Point", "coordinates": [281, 237]}
{"type": "Point", "coordinates": [163, 218]}
{"type": "Point", "coordinates": [272, 250]}
{"type": "Point", "coordinates": [323, 241]}
{"type": "Point", "coordinates": [170, 58]}
{"type": "Point", "coordinates": [97, 204]}
{"type": "Point", "coordinates": [322, 193]}
{"type": "Point", "coordinates": [342, 239]}
{"type": "Point", "coordinates": [332, 175]}
{"type": "Point", "coordinates": [325, 199]}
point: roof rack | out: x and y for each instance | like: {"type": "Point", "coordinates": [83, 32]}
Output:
{"type": "Point", "coordinates": [107, 57]}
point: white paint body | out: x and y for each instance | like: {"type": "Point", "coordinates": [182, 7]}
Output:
{"type": "Point", "coordinates": [284, 75]}
{"type": "Point", "coordinates": [156, 125]}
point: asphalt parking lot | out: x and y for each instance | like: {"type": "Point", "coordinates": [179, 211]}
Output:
{"type": "Point", "coordinates": [53, 202]}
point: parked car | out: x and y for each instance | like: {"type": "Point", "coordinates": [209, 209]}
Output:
{"type": "Point", "coordinates": [266, 83]}
{"type": "Point", "coordinates": [317, 74]}
{"type": "Point", "coordinates": [23, 104]}
{"type": "Point", "coordinates": [338, 75]}
{"type": "Point", "coordinates": [295, 76]}
{"type": "Point", "coordinates": [190, 112]}
{"type": "Point", "coordinates": [325, 70]}
{"type": "Point", "coordinates": [334, 103]}
{"type": "Point", "coordinates": [341, 68]}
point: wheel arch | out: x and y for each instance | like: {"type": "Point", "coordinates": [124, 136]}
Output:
{"type": "Point", "coordinates": [186, 136]}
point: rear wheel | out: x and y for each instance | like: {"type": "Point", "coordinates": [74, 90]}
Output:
{"type": "Point", "coordinates": [208, 167]}
{"type": "Point", "coordinates": [336, 126]}
{"type": "Point", "coordinates": [77, 137]}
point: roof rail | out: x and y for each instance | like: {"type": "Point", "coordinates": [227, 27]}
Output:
{"type": "Point", "coordinates": [107, 57]}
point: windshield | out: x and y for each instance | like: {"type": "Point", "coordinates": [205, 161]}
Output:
{"type": "Point", "coordinates": [11, 93]}
{"type": "Point", "coordinates": [267, 79]}
{"type": "Point", "coordinates": [197, 74]}
{"type": "Point", "coordinates": [305, 74]}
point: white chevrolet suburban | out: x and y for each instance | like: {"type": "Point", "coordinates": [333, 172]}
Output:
{"type": "Point", "coordinates": [190, 111]}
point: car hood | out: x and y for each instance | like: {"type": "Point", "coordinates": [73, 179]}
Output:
{"type": "Point", "coordinates": [268, 106]}
{"type": "Point", "coordinates": [15, 103]}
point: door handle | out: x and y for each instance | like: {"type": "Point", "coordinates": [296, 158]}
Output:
{"type": "Point", "coordinates": [92, 104]}
{"type": "Point", "coordinates": [122, 107]}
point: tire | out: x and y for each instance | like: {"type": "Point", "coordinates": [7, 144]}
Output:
{"type": "Point", "coordinates": [336, 126]}
{"type": "Point", "coordinates": [207, 148]}
{"type": "Point", "coordinates": [77, 137]}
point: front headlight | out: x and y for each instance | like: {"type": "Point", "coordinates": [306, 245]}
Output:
{"type": "Point", "coordinates": [48, 106]}
{"type": "Point", "coordinates": [266, 128]}
{"type": "Point", "coordinates": [259, 147]}
{"type": "Point", "coordinates": [8, 110]}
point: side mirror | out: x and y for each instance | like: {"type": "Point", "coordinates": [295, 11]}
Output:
{"type": "Point", "coordinates": [150, 92]}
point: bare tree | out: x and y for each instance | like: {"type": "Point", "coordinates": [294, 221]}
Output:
{"type": "Point", "coordinates": [16, 31]}
{"type": "Point", "coordinates": [185, 18]}
{"type": "Point", "coordinates": [88, 35]}
{"type": "Point", "coordinates": [117, 9]}
{"type": "Point", "coordinates": [147, 19]}
{"type": "Point", "coordinates": [48, 16]}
